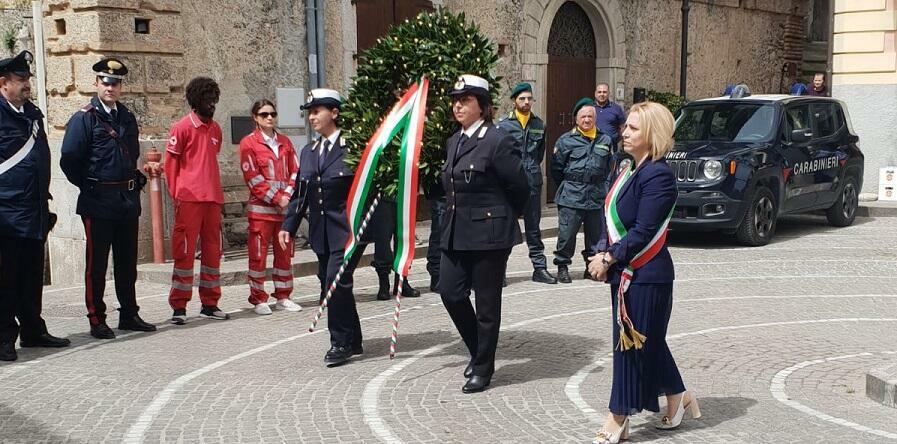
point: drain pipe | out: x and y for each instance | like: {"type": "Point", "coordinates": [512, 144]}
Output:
{"type": "Point", "coordinates": [311, 31]}
{"type": "Point", "coordinates": [319, 35]}
{"type": "Point", "coordinates": [683, 57]}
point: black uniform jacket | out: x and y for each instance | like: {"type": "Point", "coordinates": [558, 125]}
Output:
{"type": "Point", "coordinates": [321, 194]}
{"type": "Point", "coordinates": [24, 188]}
{"type": "Point", "coordinates": [93, 155]}
{"type": "Point", "coordinates": [486, 191]}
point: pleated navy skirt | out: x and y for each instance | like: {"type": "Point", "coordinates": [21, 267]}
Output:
{"type": "Point", "coordinates": [641, 376]}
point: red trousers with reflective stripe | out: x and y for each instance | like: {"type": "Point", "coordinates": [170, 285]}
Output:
{"type": "Point", "coordinates": [261, 234]}
{"type": "Point", "coordinates": [194, 220]}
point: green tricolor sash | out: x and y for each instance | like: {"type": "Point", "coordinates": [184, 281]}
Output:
{"type": "Point", "coordinates": [629, 336]}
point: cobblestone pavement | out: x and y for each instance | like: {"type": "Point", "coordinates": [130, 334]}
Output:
{"type": "Point", "coordinates": [775, 342]}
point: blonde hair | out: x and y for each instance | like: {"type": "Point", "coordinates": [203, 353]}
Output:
{"type": "Point", "coordinates": [657, 126]}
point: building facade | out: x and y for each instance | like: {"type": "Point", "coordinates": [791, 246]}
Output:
{"type": "Point", "coordinates": [252, 48]}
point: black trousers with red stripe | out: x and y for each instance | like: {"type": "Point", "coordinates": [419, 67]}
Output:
{"type": "Point", "coordinates": [121, 236]}
{"type": "Point", "coordinates": [21, 288]}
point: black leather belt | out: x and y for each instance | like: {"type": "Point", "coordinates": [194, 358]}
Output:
{"type": "Point", "coordinates": [123, 185]}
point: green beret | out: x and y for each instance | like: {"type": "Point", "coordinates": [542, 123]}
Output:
{"type": "Point", "coordinates": [521, 87]}
{"type": "Point", "coordinates": [585, 101]}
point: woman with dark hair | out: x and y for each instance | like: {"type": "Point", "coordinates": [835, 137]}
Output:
{"type": "Point", "coordinates": [269, 167]}
{"type": "Point", "coordinates": [486, 191]}
{"type": "Point", "coordinates": [194, 183]}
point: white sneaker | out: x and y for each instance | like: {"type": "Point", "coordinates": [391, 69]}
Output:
{"type": "Point", "coordinates": [288, 305]}
{"type": "Point", "coordinates": [262, 309]}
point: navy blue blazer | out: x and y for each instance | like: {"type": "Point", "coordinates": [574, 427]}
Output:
{"type": "Point", "coordinates": [644, 203]}
{"type": "Point", "coordinates": [321, 195]}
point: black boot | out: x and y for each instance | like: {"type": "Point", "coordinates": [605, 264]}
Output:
{"type": "Point", "coordinates": [434, 283]}
{"type": "Point", "coordinates": [383, 292]}
{"type": "Point", "coordinates": [564, 275]}
{"type": "Point", "coordinates": [407, 290]}
{"type": "Point", "coordinates": [543, 276]}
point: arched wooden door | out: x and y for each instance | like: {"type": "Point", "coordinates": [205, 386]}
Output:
{"type": "Point", "coordinates": [571, 75]}
{"type": "Point", "coordinates": [374, 17]}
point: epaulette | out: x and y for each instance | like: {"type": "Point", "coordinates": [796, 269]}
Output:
{"type": "Point", "coordinates": [482, 132]}
{"type": "Point", "coordinates": [87, 108]}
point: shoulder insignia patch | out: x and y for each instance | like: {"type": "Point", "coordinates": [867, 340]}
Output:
{"type": "Point", "coordinates": [87, 108]}
{"type": "Point", "coordinates": [173, 141]}
{"type": "Point", "coordinates": [245, 166]}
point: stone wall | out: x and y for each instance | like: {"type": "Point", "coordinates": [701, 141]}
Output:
{"type": "Point", "coordinates": [12, 22]}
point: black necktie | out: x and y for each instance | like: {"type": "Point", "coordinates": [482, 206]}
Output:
{"type": "Point", "coordinates": [324, 152]}
{"type": "Point", "coordinates": [461, 141]}
{"type": "Point", "coordinates": [114, 114]}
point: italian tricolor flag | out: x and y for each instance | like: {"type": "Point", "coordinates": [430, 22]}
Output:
{"type": "Point", "coordinates": [408, 115]}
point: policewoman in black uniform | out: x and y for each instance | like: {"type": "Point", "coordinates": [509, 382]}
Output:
{"type": "Point", "coordinates": [99, 156]}
{"type": "Point", "coordinates": [321, 193]}
{"type": "Point", "coordinates": [25, 218]}
{"type": "Point", "coordinates": [486, 191]}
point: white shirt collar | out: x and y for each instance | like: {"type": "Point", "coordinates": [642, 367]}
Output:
{"type": "Point", "coordinates": [108, 109]}
{"type": "Point", "coordinates": [20, 110]}
{"type": "Point", "coordinates": [334, 137]}
{"type": "Point", "coordinates": [267, 139]}
{"type": "Point", "coordinates": [469, 132]}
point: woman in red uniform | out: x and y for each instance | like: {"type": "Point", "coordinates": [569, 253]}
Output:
{"type": "Point", "coordinates": [269, 167]}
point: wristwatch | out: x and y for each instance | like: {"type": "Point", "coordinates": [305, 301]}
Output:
{"type": "Point", "coordinates": [604, 260]}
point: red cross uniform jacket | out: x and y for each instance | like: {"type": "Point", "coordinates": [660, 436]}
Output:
{"type": "Point", "coordinates": [269, 175]}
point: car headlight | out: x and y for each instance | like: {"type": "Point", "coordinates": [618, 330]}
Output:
{"type": "Point", "coordinates": [713, 169]}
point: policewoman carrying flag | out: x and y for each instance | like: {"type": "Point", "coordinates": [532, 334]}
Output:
{"type": "Point", "coordinates": [486, 191]}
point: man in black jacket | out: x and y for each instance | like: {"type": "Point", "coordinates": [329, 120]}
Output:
{"type": "Point", "coordinates": [99, 156]}
{"type": "Point", "coordinates": [25, 218]}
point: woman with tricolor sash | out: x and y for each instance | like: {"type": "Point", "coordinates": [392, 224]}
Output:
{"type": "Point", "coordinates": [639, 269]}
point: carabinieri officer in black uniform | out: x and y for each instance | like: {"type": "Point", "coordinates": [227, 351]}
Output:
{"type": "Point", "coordinates": [99, 156]}
{"type": "Point", "coordinates": [25, 218]}
{"type": "Point", "coordinates": [322, 190]}
{"type": "Point", "coordinates": [486, 191]}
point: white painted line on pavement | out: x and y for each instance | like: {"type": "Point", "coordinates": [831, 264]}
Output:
{"type": "Point", "coordinates": [137, 432]}
{"type": "Point", "coordinates": [572, 387]}
{"type": "Point", "coordinates": [371, 396]}
{"type": "Point", "coordinates": [777, 388]}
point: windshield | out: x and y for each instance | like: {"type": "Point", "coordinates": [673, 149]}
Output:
{"type": "Point", "coordinates": [726, 122]}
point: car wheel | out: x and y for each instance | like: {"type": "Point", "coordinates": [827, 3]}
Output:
{"type": "Point", "coordinates": [759, 223]}
{"type": "Point", "coordinates": [844, 210]}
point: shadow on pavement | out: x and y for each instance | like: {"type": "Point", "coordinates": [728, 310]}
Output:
{"type": "Point", "coordinates": [786, 227]}
{"type": "Point", "coordinates": [16, 428]}
{"type": "Point", "coordinates": [714, 411]}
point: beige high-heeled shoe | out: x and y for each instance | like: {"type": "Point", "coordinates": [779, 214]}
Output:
{"type": "Point", "coordinates": [690, 407]}
{"type": "Point", "coordinates": [605, 437]}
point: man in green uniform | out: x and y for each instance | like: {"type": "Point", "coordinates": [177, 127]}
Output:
{"type": "Point", "coordinates": [580, 166]}
{"type": "Point", "coordinates": [529, 131]}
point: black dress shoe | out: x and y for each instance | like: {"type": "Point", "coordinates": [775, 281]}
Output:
{"type": "Point", "coordinates": [468, 371]}
{"type": "Point", "coordinates": [102, 331]}
{"type": "Point", "coordinates": [337, 356]}
{"type": "Point", "coordinates": [476, 383]}
{"type": "Point", "coordinates": [542, 275]}
{"type": "Point", "coordinates": [134, 323]}
{"type": "Point", "coordinates": [357, 350]}
{"type": "Point", "coordinates": [383, 291]}
{"type": "Point", "coordinates": [8, 351]}
{"type": "Point", "coordinates": [45, 340]}
{"type": "Point", "coordinates": [434, 284]}
{"type": "Point", "coordinates": [564, 275]}
{"type": "Point", "coordinates": [407, 290]}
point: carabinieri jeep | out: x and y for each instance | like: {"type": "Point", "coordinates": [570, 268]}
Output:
{"type": "Point", "coordinates": [741, 163]}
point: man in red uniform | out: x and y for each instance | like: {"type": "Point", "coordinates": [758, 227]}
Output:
{"type": "Point", "coordinates": [269, 166]}
{"type": "Point", "coordinates": [194, 183]}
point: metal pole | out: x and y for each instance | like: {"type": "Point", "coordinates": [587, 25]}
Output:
{"type": "Point", "coordinates": [831, 46]}
{"type": "Point", "coordinates": [683, 62]}
{"type": "Point", "coordinates": [39, 58]}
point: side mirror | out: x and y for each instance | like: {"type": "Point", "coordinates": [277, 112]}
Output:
{"type": "Point", "coordinates": [801, 135]}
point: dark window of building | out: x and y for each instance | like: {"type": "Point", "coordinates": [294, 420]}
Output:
{"type": "Point", "coordinates": [60, 26]}
{"type": "Point", "coordinates": [141, 26]}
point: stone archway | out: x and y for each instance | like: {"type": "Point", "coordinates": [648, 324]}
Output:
{"type": "Point", "coordinates": [606, 17]}
{"type": "Point", "coordinates": [606, 20]}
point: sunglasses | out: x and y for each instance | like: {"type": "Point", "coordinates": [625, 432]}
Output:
{"type": "Point", "coordinates": [266, 115]}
